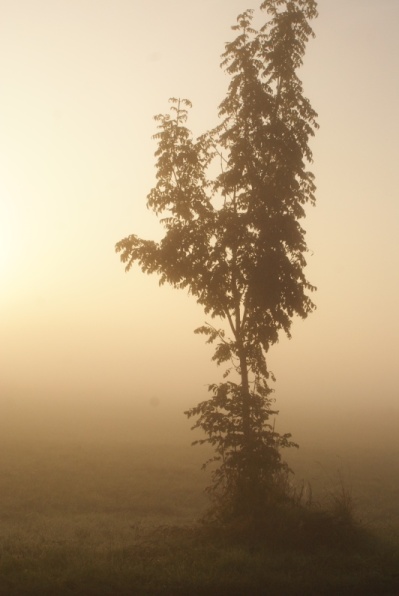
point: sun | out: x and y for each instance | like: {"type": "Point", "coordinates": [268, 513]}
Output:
{"type": "Point", "coordinates": [6, 232]}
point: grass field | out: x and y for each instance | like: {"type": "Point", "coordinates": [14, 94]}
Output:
{"type": "Point", "coordinates": [121, 518]}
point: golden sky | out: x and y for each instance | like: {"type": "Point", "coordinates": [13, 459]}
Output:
{"type": "Point", "coordinates": [80, 82]}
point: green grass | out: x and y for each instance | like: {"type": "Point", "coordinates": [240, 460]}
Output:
{"type": "Point", "coordinates": [123, 519]}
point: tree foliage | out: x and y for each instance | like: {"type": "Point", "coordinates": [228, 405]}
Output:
{"type": "Point", "coordinates": [234, 240]}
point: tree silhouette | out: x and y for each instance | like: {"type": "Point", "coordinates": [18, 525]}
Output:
{"type": "Point", "coordinates": [234, 239]}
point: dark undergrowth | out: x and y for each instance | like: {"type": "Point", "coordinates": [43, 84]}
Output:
{"type": "Point", "coordinates": [298, 553]}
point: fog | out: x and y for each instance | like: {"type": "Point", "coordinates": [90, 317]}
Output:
{"type": "Point", "coordinates": [88, 352]}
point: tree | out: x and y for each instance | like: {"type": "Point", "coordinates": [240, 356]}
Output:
{"type": "Point", "coordinates": [235, 242]}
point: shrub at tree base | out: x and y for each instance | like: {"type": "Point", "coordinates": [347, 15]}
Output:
{"type": "Point", "coordinates": [235, 242]}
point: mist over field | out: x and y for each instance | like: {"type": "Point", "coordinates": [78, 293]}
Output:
{"type": "Point", "coordinates": [159, 419]}
{"type": "Point", "coordinates": [110, 499]}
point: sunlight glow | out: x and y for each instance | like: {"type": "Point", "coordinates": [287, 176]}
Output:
{"type": "Point", "coordinates": [6, 233]}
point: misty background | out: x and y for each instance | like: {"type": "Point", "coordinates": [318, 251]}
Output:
{"type": "Point", "coordinates": [87, 351]}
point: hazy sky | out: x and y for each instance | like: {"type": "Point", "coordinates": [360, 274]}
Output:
{"type": "Point", "coordinates": [80, 82]}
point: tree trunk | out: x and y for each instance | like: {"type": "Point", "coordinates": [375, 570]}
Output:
{"type": "Point", "coordinates": [246, 409]}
